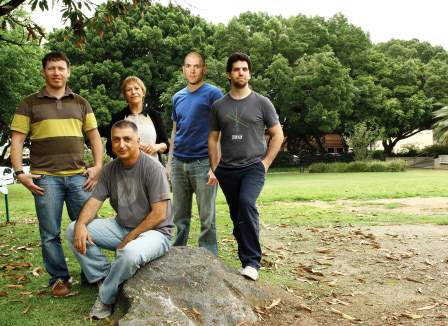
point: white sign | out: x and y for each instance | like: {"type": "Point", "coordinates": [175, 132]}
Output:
{"type": "Point", "coordinates": [4, 189]}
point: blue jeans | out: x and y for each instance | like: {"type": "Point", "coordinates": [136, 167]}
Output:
{"type": "Point", "coordinates": [188, 178]}
{"type": "Point", "coordinates": [49, 213]}
{"type": "Point", "coordinates": [241, 187]}
{"type": "Point", "coordinates": [108, 234]}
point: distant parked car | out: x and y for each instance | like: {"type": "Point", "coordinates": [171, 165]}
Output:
{"type": "Point", "coordinates": [6, 175]}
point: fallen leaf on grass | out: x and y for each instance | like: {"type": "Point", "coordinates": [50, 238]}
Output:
{"type": "Point", "coordinates": [337, 301]}
{"type": "Point", "coordinates": [323, 250]}
{"type": "Point", "coordinates": [428, 307]}
{"type": "Point", "coordinates": [274, 303]}
{"type": "Point", "coordinates": [14, 286]}
{"type": "Point", "coordinates": [37, 270]}
{"type": "Point", "coordinates": [302, 306]}
{"type": "Point", "coordinates": [11, 266]}
{"type": "Point", "coordinates": [3, 293]}
{"type": "Point", "coordinates": [428, 262]}
{"type": "Point", "coordinates": [336, 273]}
{"type": "Point", "coordinates": [24, 248]}
{"type": "Point", "coordinates": [343, 315]}
{"type": "Point", "coordinates": [242, 323]}
{"type": "Point", "coordinates": [72, 294]}
{"type": "Point", "coordinates": [410, 279]}
{"type": "Point", "coordinates": [26, 293]}
{"type": "Point", "coordinates": [301, 269]}
{"type": "Point", "coordinates": [411, 316]}
{"type": "Point", "coordinates": [24, 311]}
{"type": "Point", "coordinates": [196, 313]}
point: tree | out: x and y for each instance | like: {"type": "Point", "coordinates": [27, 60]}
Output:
{"type": "Point", "coordinates": [440, 127]}
{"type": "Point", "coordinates": [360, 138]}
{"type": "Point", "coordinates": [21, 76]}
{"type": "Point", "coordinates": [150, 42]}
{"type": "Point", "coordinates": [72, 11]}
{"type": "Point", "coordinates": [313, 98]}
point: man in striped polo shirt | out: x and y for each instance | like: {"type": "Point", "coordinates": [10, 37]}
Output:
{"type": "Point", "coordinates": [56, 121]}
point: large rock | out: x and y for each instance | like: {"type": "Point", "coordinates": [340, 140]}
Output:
{"type": "Point", "coordinates": [189, 286]}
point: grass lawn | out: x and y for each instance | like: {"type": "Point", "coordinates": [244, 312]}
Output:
{"type": "Point", "coordinates": [25, 299]}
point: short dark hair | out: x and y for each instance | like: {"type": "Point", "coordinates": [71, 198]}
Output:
{"type": "Point", "coordinates": [122, 124]}
{"type": "Point", "coordinates": [199, 54]}
{"type": "Point", "coordinates": [238, 56]}
{"type": "Point", "coordinates": [55, 56]}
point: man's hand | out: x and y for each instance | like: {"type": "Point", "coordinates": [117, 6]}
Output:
{"type": "Point", "coordinates": [212, 178]}
{"type": "Point", "coordinates": [80, 238]}
{"type": "Point", "coordinates": [92, 174]}
{"type": "Point", "coordinates": [266, 165]}
{"type": "Point", "coordinates": [128, 238]}
{"type": "Point", "coordinates": [150, 149]}
{"type": "Point", "coordinates": [27, 181]}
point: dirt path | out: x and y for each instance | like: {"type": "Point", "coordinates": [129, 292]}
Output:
{"type": "Point", "coordinates": [380, 275]}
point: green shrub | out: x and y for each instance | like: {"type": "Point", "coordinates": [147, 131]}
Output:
{"type": "Point", "coordinates": [396, 166]}
{"type": "Point", "coordinates": [435, 150]}
{"type": "Point", "coordinates": [359, 166]}
{"type": "Point", "coordinates": [338, 167]}
{"type": "Point", "coordinates": [377, 167]}
{"type": "Point", "coordinates": [319, 167]}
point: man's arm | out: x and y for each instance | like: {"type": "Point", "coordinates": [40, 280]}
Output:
{"type": "Point", "coordinates": [170, 152]}
{"type": "Point", "coordinates": [87, 214]}
{"type": "Point", "coordinates": [151, 221]}
{"type": "Point", "coordinates": [98, 154]}
{"type": "Point", "coordinates": [214, 154]}
{"type": "Point", "coordinates": [17, 140]}
{"type": "Point", "coordinates": [276, 134]}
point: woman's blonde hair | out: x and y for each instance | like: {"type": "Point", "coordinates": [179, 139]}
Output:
{"type": "Point", "coordinates": [134, 79]}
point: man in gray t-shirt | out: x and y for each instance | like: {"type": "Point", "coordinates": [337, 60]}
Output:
{"type": "Point", "coordinates": [238, 122]}
{"type": "Point", "coordinates": [138, 191]}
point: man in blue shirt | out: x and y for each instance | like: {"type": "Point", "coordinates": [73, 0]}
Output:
{"type": "Point", "coordinates": [188, 165]}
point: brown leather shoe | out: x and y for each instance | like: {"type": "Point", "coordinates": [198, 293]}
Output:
{"type": "Point", "coordinates": [60, 288]}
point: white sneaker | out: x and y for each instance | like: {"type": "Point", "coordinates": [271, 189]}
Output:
{"type": "Point", "coordinates": [250, 272]}
{"type": "Point", "coordinates": [100, 310]}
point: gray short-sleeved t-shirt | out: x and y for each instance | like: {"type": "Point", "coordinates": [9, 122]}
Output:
{"type": "Point", "coordinates": [242, 124]}
{"type": "Point", "coordinates": [132, 190]}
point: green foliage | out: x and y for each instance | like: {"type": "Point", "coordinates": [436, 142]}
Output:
{"type": "Point", "coordinates": [435, 150]}
{"type": "Point", "coordinates": [323, 75]}
{"type": "Point", "coordinates": [149, 42]}
{"type": "Point", "coordinates": [20, 76]}
{"type": "Point", "coordinates": [440, 127]}
{"type": "Point", "coordinates": [409, 150]}
{"type": "Point", "coordinates": [361, 138]}
{"type": "Point", "coordinates": [358, 166]}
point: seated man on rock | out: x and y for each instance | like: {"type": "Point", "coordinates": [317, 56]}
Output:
{"type": "Point", "coordinates": [138, 190]}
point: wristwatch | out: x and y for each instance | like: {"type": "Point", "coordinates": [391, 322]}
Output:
{"type": "Point", "coordinates": [18, 172]}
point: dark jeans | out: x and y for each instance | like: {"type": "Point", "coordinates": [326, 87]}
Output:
{"type": "Point", "coordinates": [241, 187]}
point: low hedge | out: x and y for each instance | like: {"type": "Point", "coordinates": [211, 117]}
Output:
{"type": "Point", "coordinates": [358, 166]}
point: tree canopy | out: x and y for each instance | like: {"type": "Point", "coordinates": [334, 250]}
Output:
{"type": "Point", "coordinates": [323, 75]}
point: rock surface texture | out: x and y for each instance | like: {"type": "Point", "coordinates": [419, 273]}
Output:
{"type": "Point", "coordinates": [189, 286]}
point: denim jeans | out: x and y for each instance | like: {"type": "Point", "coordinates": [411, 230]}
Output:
{"type": "Point", "coordinates": [188, 178]}
{"type": "Point", "coordinates": [108, 234]}
{"type": "Point", "coordinates": [49, 213]}
{"type": "Point", "coordinates": [241, 187]}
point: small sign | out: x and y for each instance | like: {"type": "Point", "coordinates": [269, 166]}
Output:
{"type": "Point", "coordinates": [4, 189]}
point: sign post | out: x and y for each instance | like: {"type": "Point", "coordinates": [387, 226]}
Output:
{"type": "Point", "coordinates": [4, 190]}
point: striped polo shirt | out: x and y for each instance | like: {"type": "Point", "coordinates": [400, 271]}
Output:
{"type": "Point", "coordinates": [56, 129]}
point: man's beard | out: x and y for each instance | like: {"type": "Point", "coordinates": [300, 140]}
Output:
{"type": "Point", "coordinates": [239, 85]}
